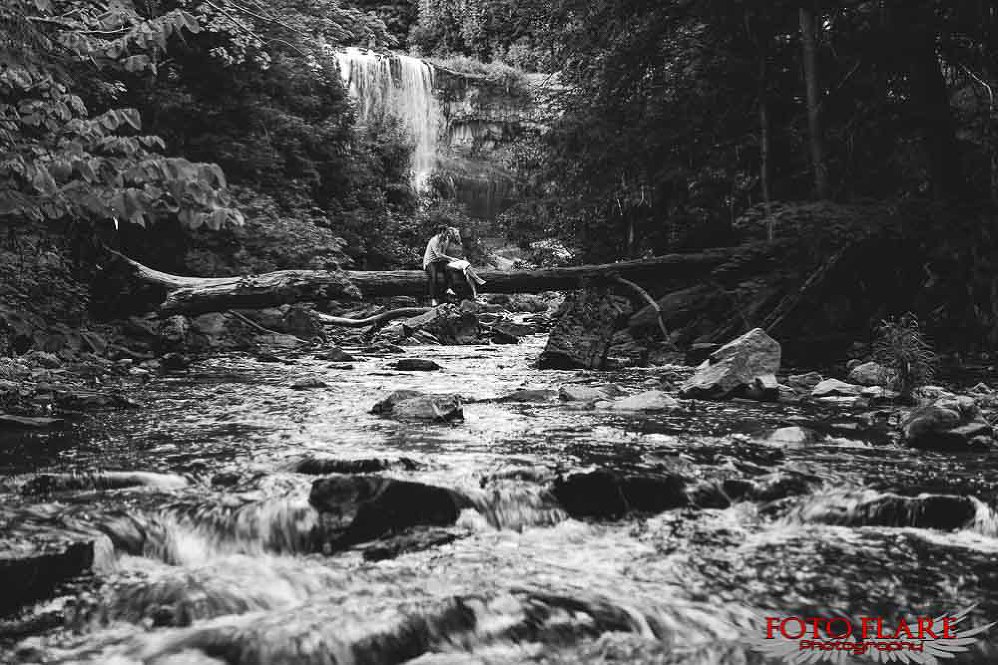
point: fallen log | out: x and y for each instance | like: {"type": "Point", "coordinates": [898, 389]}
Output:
{"type": "Point", "coordinates": [130, 287]}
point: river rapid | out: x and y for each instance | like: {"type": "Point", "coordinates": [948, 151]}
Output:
{"type": "Point", "coordinates": [225, 570]}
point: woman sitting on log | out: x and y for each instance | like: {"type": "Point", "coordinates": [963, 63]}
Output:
{"type": "Point", "coordinates": [437, 263]}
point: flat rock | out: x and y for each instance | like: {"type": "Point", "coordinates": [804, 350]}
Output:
{"type": "Point", "coordinates": [416, 365]}
{"type": "Point", "coordinates": [433, 408]}
{"type": "Point", "coordinates": [652, 400]}
{"type": "Point", "coordinates": [321, 466]}
{"type": "Point", "coordinates": [526, 396]}
{"type": "Point", "coordinates": [804, 381]}
{"type": "Point", "coordinates": [793, 436]}
{"type": "Point", "coordinates": [580, 393]}
{"type": "Point", "coordinates": [388, 403]}
{"type": "Point", "coordinates": [309, 383]}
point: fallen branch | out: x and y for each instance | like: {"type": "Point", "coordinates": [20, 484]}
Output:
{"type": "Point", "coordinates": [651, 303]}
{"type": "Point", "coordinates": [404, 312]}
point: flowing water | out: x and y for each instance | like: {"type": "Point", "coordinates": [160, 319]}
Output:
{"type": "Point", "coordinates": [211, 558]}
{"type": "Point", "coordinates": [399, 86]}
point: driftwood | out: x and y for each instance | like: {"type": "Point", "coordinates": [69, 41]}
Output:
{"type": "Point", "coordinates": [142, 288]}
{"type": "Point", "coordinates": [403, 312]}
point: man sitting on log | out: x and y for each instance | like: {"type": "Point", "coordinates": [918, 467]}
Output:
{"type": "Point", "coordinates": [437, 263]}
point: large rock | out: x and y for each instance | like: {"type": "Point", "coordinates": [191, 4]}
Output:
{"type": "Point", "coordinates": [735, 367]}
{"type": "Point", "coordinates": [613, 494]}
{"type": "Point", "coordinates": [868, 374]}
{"type": "Point", "coordinates": [950, 424]}
{"type": "Point", "coordinates": [355, 509]}
{"type": "Point", "coordinates": [582, 336]}
{"type": "Point", "coordinates": [414, 406]}
{"type": "Point", "coordinates": [447, 323]}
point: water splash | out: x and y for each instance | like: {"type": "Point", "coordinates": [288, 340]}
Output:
{"type": "Point", "coordinates": [398, 85]}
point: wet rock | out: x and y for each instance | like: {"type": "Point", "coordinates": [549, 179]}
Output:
{"type": "Point", "coordinates": [433, 408]}
{"type": "Point", "coordinates": [582, 336]}
{"type": "Point", "coordinates": [386, 405]}
{"type": "Point", "coordinates": [526, 396]}
{"type": "Point", "coordinates": [581, 393]}
{"type": "Point", "coordinates": [613, 494]}
{"type": "Point", "coordinates": [309, 383]}
{"type": "Point", "coordinates": [336, 355]}
{"type": "Point", "coordinates": [836, 388]}
{"type": "Point", "coordinates": [301, 321]}
{"type": "Point", "coordinates": [174, 361]}
{"type": "Point", "coordinates": [416, 365]}
{"type": "Point", "coordinates": [36, 557]}
{"type": "Point", "coordinates": [950, 424]}
{"type": "Point", "coordinates": [805, 382]}
{"type": "Point", "coordinates": [415, 406]}
{"type": "Point", "coordinates": [277, 341]}
{"type": "Point", "coordinates": [652, 400]}
{"type": "Point", "coordinates": [735, 367]}
{"type": "Point", "coordinates": [8, 421]}
{"type": "Point", "coordinates": [868, 374]}
{"type": "Point", "coordinates": [763, 389]}
{"type": "Point", "coordinates": [320, 466]}
{"type": "Point", "coordinates": [868, 508]}
{"type": "Point", "coordinates": [794, 437]}
{"type": "Point", "coordinates": [416, 540]}
{"type": "Point", "coordinates": [105, 480]}
{"type": "Point", "coordinates": [447, 323]}
{"type": "Point", "coordinates": [355, 509]}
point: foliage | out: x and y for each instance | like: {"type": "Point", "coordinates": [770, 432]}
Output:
{"type": "Point", "coordinates": [60, 161]}
{"type": "Point", "coordinates": [903, 350]}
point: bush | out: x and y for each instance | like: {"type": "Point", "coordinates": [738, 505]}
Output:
{"type": "Point", "coordinates": [907, 356]}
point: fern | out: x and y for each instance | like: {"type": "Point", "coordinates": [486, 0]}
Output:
{"type": "Point", "coordinates": [905, 353]}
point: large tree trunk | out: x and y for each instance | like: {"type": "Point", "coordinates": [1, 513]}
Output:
{"type": "Point", "coordinates": [129, 286]}
{"type": "Point", "coordinates": [808, 31]}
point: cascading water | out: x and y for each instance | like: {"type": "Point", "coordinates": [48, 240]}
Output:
{"type": "Point", "coordinates": [398, 85]}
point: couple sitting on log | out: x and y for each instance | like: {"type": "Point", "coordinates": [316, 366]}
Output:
{"type": "Point", "coordinates": [441, 267]}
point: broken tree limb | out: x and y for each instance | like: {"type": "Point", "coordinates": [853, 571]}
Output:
{"type": "Point", "coordinates": [130, 287]}
{"type": "Point", "coordinates": [404, 312]}
{"type": "Point", "coordinates": [651, 302]}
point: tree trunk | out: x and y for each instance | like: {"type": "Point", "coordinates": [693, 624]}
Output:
{"type": "Point", "coordinates": [808, 31]}
{"type": "Point", "coordinates": [143, 289]}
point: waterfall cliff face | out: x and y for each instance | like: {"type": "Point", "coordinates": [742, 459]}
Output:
{"type": "Point", "coordinates": [401, 86]}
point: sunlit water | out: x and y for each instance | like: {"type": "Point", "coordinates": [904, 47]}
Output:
{"type": "Point", "coordinates": [224, 570]}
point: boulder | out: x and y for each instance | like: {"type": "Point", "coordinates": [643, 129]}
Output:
{"type": "Point", "coordinates": [211, 325]}
{"type": "Point", "coordinates": [173, 333]}
{"type": "Point", "coordinates": [38, 555]}
{"type": "Point", "coordinates": [699, 352]}
{"type": "Point", "coordinates": [734, 367]}
{"type": "Point", "coordinates": [612, 494]}
{"type": "Point", "coordinates": [868, 374]}
{"type": "Point", "coordinates": [447, 323]}
{"type": "Point", "coordinates": [950, 424]}
{"type": "Point", "coordinates": [355, 509]}
{"type": "Point", "coordinates": [508, 332]}
{"type": "Point", "coordinates": [652, 400]}
{"type": "Point", "coordinates": [836, 388]}
{"type": "Point", "coordinates": [416, 365]}
{"type": "Point", "coordinates": [415, 406]}
{"type": "Point", "coordinates": [582, 336]}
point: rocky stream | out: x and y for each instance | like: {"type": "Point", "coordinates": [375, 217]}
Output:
{"type": "Point", "coordinates": [256, 513]}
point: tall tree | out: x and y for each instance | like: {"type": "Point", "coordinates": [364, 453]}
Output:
{"type": "Point", "coordinates": [816, 139]}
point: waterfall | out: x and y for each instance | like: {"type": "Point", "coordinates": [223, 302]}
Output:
{"type": "Point", "coordinates": [398, 85]}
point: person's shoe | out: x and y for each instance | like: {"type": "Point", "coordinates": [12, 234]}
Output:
{"type": "Point", "coordinates": [433, 302]}
{"type": "Point", "coordinates": [450, 292]}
